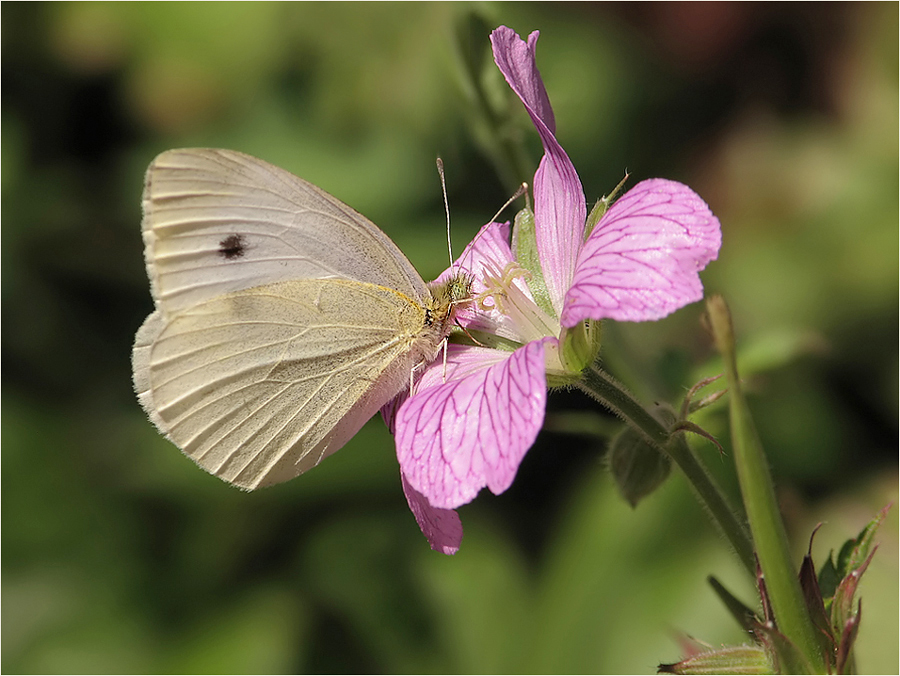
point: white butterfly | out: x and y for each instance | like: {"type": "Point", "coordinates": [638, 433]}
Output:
{"type": "Point", "coordinates": [284, 319]}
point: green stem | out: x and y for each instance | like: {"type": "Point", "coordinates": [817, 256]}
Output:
{"type": "Point", "coordinates": [611, 394]}
{"type": "Point", "coordinates": [769, 536]}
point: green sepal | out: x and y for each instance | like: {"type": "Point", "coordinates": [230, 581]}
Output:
{"type": "Point", "coordinates": [580, 345]}
{"type": "Point", "coordinates": [601, 207]}
{"type": "Point", "coordinates": [788, 659]}
{"type": "Point", "coordinates": [844, 617]}
{"type": "Point", "coordinates": [482, 339]}
{"type": "Point", "coordinates": [524, 248]}
{"type": "Point", "coordinates": [816, 607]}
{"type": "Point", "coordinates": [742, 659]}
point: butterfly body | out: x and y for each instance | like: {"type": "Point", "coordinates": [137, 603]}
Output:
{"type": "Point", "coordinates": [284, 319]}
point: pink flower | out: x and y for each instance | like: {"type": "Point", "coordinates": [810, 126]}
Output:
{"type": "Point", "coordinates": [470, 422]}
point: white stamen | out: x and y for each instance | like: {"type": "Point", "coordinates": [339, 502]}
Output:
{"type": "Point", "coordinates": [508, 298]}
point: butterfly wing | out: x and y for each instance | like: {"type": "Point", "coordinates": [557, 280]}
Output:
{"type": "Point", "coordinates": [218, 221]}
{"type": "Point", "coordinates": [259, 385]}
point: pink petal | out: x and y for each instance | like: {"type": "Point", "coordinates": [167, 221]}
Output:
{"type": "Point", "coordinates": [559, 205]}
{"type": "Point", "coordinates": [489, 246]}
{"type": "Point", "coordinates": [462, 360]}
{"type": "Point", "coordinates": [518, 63]}
{"type": "Point", "coordinates": [457, 436]}
{"type": "Point", "coordinates": [642, 259]}
{"type": "Point", "coordinates": [559, 216]}
{"type": "Point", "coordinates": [441, 527]}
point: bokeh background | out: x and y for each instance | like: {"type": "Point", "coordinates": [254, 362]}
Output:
{"type": "Point", "coordinates": [119, 555]}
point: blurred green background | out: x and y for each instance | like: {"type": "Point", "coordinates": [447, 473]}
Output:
{"type": "Point", "coordinates": [119, 555]}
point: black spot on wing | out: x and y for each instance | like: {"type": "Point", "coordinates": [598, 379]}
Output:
{"type": "Point", "coordinates": [233, 246]}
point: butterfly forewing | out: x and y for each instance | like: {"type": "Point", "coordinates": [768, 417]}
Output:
{"type": "Point", "coordinates": [217, 221]}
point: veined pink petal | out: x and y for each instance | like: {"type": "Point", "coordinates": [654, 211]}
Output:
{"type": "Point", "coordinates": [642, 260]}
{"type": "Point", "coordinates": [441, 527]}
{"type": "Point", "coordinates": [456, 437]}
{"type": "Point", "coordinates": [559, 217]}
{"type": "Point", "coordinates": [518, 63]}
{"type": "Point", "coordinates": [559, 205]}
{"type": "Point", "coordinates": [462, 360]}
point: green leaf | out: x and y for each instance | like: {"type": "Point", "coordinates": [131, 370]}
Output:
{"type": "Point", "coordinates": [862, 545]}
{"type": "Point", "coordinates": [828, 579]}
{"type": "Point", "coordinates": [638, 468]}
{"type": "Point", "coordinates": [744, 615]}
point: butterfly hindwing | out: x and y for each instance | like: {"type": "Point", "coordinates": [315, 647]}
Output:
{"type": "Point", "coordinates": [259, 385]}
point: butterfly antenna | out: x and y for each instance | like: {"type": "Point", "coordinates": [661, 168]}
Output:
{"type": "Point", "coordinates": [522, 190]}
{"type": "Point", "coordinates": [440, 168]}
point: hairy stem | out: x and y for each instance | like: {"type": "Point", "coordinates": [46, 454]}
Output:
{"type": "Point", "coordinates": [757, 489]}
{"type": "Point", "coordinates": [614, 396]}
